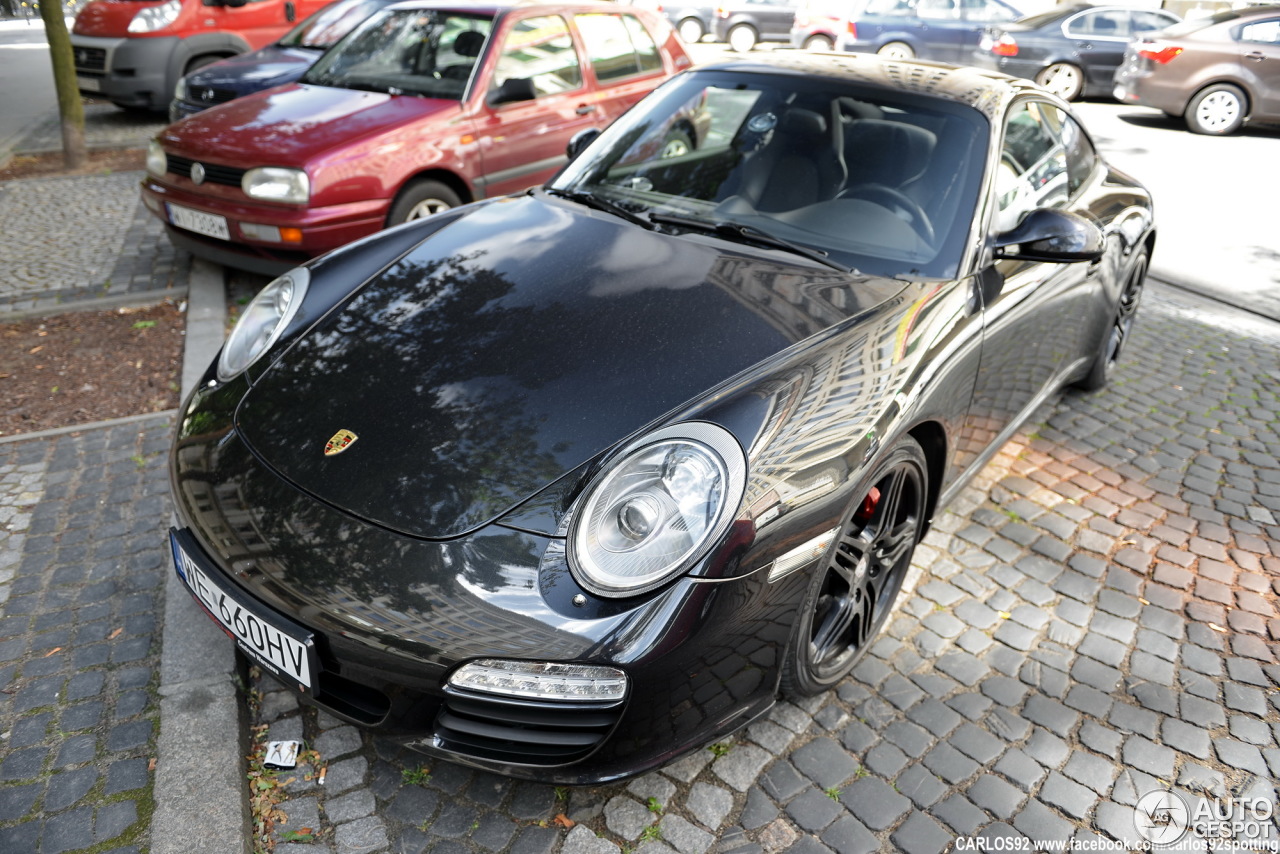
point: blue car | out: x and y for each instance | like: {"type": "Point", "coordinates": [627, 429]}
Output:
{"type": "Point", "coordinates": [943, 30]}
{"type": "Point", "coordinates": [276, 64]}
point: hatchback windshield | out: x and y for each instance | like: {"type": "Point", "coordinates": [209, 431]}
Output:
{"type": "Point", "coordinates": [883, 182]}
{"type": "Point", "coordinates": [407, 52]}
{"type": "Point", "coordinates": [331, 23]}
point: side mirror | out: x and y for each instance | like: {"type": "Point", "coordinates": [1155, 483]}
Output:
{"type": "Point", "coordinates": [1051, 235]}
{"type": "Point", "coordinates": [512, 89]}
{"type": "Point", "coordinates": [580, 141]}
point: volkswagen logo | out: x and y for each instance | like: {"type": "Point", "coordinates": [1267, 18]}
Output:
{"type": "Point", "coordinates": [207, 95]}
{"type": "Point", "coordinates": [197, 173]}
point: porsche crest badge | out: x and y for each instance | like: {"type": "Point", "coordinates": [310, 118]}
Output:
{"type": "Point", "coordinates": [339, 442]}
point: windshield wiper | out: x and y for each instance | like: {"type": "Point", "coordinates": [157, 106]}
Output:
{"type": "Point", "coordinates": [597, 203]}
{"type": "Point", "coordinates": [749, 234]}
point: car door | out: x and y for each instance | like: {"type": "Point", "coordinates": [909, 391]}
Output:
{"type": "Point", "coordinates": [942, 30]}
{"type": "Point", "coordinates": [1098, 38]}
{"type": "Point", "coordinates": [522, 142]}
{"type": "Point", "coordinates": [1036, 315]}
{"type": "Point", "coordinates": [776, 18]}
{"type": "Point", "coordinates": [977, 14]}
{"type": "Point", "coordinates": [623, 61]}
{"type": "Point", "coordinates": [1260, 57]}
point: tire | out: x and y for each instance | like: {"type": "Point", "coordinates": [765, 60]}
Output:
{"type": "Point", "coordinates": [677, 143]}
{"type": "Point", "coordinates": [819, 42]}
{"type": "Point", "coordinates": [691, 30]}
{"type": "Point", "coordinates": [419, 199]}
{"type": "Point", "coordinates": [1062, 79]}
{"type": "Point", "coordinates": [1217, 110]}
{"type": "Point", "coordinates": [897, 50]}
{"type": "Point", "coordinates": [1117, 332]}
{"type": "Point", "coordinates": [853, 588]}
{"type": "Point", "coordinates": [742, 38]}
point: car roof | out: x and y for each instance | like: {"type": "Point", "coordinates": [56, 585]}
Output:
{"type": "Point", "coordinates": [493, 7]}
{"type": "Point", "coordinates": [985, 91]}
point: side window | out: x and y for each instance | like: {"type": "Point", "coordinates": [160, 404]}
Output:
{"type": "Point", "coordinates": [610, 49]}
{"type": "Point", "coordinates": [647, 56]}
{"type": "Point", "coordinates": [986, 10]}
{"type": "Point", "coordinates": [934, 10]}
{"type": "Point", "coordinates": [1032, 172]}
{"type": "Point", "coordinates": [1082, 158]}
{"type": "Point", "coordinates": [1263, 32]}
{"type": "Point", "coordinates": [1145, 20]}
{"type": "Point", "coordinates": [1108, 23]}
{"type": "Point", "coordinates": [540, 50]}
{"type": "Point", "coordinates": [900, 8]}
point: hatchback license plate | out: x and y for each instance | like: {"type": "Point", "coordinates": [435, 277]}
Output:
{"type": "Point", "coordinates": [290, 654]}
{"type": "Point", "coordinates": [88, 84]}
{"type": "Point", "coordinates": [200, 222]}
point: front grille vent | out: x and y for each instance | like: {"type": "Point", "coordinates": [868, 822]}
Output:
{"type": "Point", "coordinates": [91, 59]}
{"type": "Point", "coordinates": [524, 732]}
{"type": "Point", "coordinates": [213, 173]}
{"type": "Point", "coordinates": [210, 96]}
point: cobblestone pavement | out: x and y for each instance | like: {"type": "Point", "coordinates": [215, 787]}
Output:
{"type": "Point", "coordinates": [1096, 622]}
{"type": "Point", "coordinates": [84, 238]}
{"type": "Point", "coordinates": [83, 558]}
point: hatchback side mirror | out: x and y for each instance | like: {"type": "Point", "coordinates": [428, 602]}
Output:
{"type": "Point", "coordinates": [1054, 236]}
{"type": "Point", "coordinates": [512, 89]}
{"type": "Point", "coordinates": [580, 141]}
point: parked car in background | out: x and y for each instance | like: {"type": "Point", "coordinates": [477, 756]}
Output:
{"type": "Point", "coordinates": [691, 20]}
{"type": "Point", "coordinates": [1071, 50]}
{"type": "Point", "coordinates": [944, 30]}
{"type": "Point", "coordinates": [282, 62]}
{"type": "Point", "coordinates": [746, 23]}
{"type": "Point", "coordinates": [818, 24]}
{"type": "Point", "coordinates": [422, 107]}
{"type": "Point", "coordinates": [1217, 72]}
{"type": "Point", "coordinates": [132, 52]}
{"type": "Point", "coordinates": [568, 484]}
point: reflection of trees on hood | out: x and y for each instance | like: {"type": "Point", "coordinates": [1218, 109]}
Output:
{"type": "Point", "coordinates": [425, 364]}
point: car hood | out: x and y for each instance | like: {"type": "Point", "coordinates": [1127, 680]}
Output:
{"type": "Point", "coordinates": [253, 72]}
{"type": "Point", "coordinates": [291, 125]}
{"type": "Point", "coordinates": [512, 346]}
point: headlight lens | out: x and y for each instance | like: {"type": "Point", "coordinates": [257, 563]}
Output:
{"type": "Point", "coordinates": [262, 322]}
{"type": "Point", "coordinates": [657, 509]}
{"type": "Point", "coordinates": [180, 90]}
{"type": "Point", "coordinates": [157, 162]}
{"type": "Point", "coordinates": [155, 17]}
{"type": "Point", "coordinates": [277, 184]}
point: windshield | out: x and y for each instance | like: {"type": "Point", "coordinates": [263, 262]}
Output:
{"type": "Point", "coordinates": [420, 52]}
{"type": "Point", "coordinates": [324, 28]}
{"type": "Point", "coordinates": [882, 181]}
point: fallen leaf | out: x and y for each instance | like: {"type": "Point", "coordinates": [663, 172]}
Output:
{"type": "Point", "coordinates": [151, 764]}
{"type": "Point", "coordinates": [52, 651]}
{"type": "Point", "coordinates": [564, 821]}
{"type": "Point", "coordinates": [36, 349]}
{"type": "Point", "coordinates": [115, 634]}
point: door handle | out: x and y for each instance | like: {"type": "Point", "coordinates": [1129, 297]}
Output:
{"type": "Point", "coordinates": [1256, 56]}
{"type": "Point", "coordinates": [585, 109]}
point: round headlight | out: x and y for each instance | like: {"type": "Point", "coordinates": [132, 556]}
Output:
{"type": "Point", "coordinates": [277, 184]}
{"type": "Point", "coordinates": [157, 162]}
{"type": "Point", "coordinates": [262, 322]}
{"type": "Point", "coordinates": [656, 510]}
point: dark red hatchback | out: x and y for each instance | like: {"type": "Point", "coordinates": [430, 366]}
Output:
{"type": "Point", "coordinates": [425, 106]}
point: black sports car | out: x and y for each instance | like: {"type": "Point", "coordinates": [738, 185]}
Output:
{"type": "Point", "coordinates": [567, 483]}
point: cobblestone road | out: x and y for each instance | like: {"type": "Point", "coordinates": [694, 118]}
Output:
{"type": "Point", "coordinates": [1097, 622]}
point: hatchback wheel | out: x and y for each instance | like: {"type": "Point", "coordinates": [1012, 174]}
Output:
{"type": "Point", "coordinates": [819, 41]}
{"type": "Point", "coordinates": [853, 590]}
{"type": "Point", "coordinates": [421, 198]}
{"type": "Point", "coordinates": [897, 50]}
{"type": "Point", "coordinates": [1062, 79]}
{"type": "Point", "coordinates": [1117, 334]}
{"type": "Point", "coordinates": [692, 31]}
{"type": "Point", "coordinates": [743, 37]}
{"type": "Point", "coordinates": [1218, 110]}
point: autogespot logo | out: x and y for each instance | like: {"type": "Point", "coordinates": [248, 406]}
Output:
{"type": "Point", "coordinates": [1161, 818]}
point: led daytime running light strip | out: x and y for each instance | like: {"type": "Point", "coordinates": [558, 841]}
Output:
{"type": "Point", "coordinates": [542, 680]}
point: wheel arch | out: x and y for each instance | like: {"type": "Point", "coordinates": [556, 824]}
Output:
{"type": "Point", "coordinates": [452, 180]}
{"type": "Point", "coordinates": [1250, 97]}
{"type": "Point", "coordinates": [932, 439]}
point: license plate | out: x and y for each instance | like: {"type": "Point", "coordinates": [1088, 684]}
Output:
{"type": "Point", "coordinates": [200, 222]}
{"type": "Point", "coordinates": [287, 652]}
{"type": "Point", "coordinates": [89, 84]}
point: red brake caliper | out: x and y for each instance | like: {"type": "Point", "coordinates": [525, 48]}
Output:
{"type": "Point", "coordinates": [868, 505]}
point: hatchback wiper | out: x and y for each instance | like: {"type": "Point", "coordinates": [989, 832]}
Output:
{"type": "Point", "coordinates": [597, 203]}
{"type": "Point", "coordinates": [749, 234]}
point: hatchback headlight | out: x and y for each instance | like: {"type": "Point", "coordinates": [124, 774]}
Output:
{"type": "Point", "coordinates": [656, 510]}
{"type": "Point", "coordinates": [277, 184]}
{"type": "Point", "coordinates": [157, 162]}
{"type": "Point", "coordinates": [180, 90]}
{"type": "Point", "coordinates": [154, 18]}
{"type": "Point", "coordinates": [266, 316]}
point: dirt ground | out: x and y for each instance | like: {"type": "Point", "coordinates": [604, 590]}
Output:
{"type": "Point", "coordinates": [81, 367]}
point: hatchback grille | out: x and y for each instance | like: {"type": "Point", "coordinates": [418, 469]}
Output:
{"type": "Point", "coordinates": [213, 173]}
{"type": "Point", "coordinates": [209, 96]}
{"type": "Point", "coordinates": [523, 731]}
{"type": "Point", "coordinates": [90, 59]}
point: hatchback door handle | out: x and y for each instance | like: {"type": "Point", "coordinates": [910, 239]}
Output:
{"type": "Point", "coordinates": [1256, 56]}
{"type": "Point", "coordinates": [585, 109]}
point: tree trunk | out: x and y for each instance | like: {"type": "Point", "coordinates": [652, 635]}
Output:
{"type": "Point", "coordinates": [70, 107]}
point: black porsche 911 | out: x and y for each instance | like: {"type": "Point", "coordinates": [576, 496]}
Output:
{"type": "Point", "coordinates": [566, 483]}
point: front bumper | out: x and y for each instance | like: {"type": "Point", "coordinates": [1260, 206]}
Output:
{"type": "Point", "coordinates": [128, 72]}
{"type": "Point", "coordinates": [322, 228]}
{"type": "Point", "coordinates": [391, 617]}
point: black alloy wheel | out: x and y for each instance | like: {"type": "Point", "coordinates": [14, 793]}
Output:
{"type": "Point", "coordinates": [1117, 334]}
{"type": "Point", "coordinates": [854, 588]}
